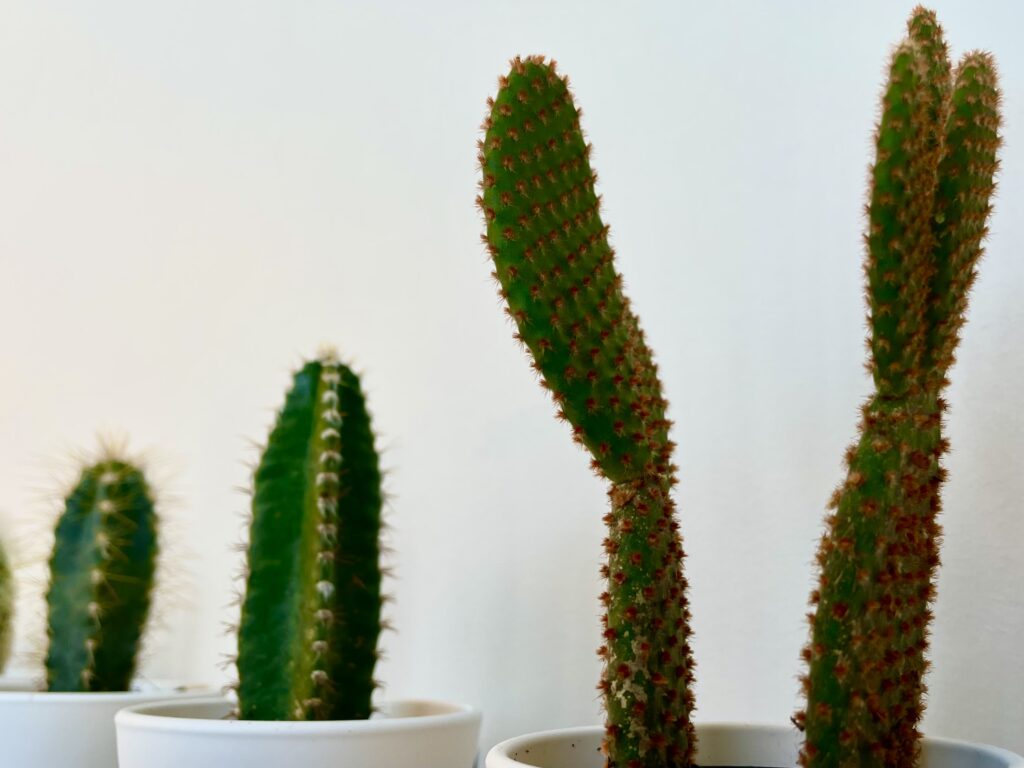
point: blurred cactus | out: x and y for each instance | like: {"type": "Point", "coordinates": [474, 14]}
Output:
{"type": "Point", "coordinates": [101, 578]}
{"type": "Point", "coordinates": [931, 188]}
{"type": "Point", "coordinates": [6, 608]}
{"type": "Point", "coordinates": [307, 642]}
{"type": "Point", "coordinates": [557, 275]}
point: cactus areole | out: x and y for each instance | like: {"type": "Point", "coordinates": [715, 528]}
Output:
{"type": "Point", "coordinates": [932, 182]}
{"type": "Point", "coordinates": [101, 578]}
{"type": "Point", "coordinates": [556, 273]}
{"type": "Point", "coordinates": [307, 642]}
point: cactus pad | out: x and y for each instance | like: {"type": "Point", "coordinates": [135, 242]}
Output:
{"type": "Point", "coordinates": [556, 273]}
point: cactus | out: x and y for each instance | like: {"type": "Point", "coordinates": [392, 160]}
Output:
{"type": "Point", "coordinates": [101, 578]}
{"type": "Point", "coordinates": [932, 183]}
{"type": "Point", "coordinates": [307, 642]}
{"type": "Point", "coordinates": [6, 608]}
{"type": "Point", "coordinates": [556, 273]}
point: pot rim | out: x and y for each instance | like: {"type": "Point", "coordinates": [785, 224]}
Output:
{"type": "Point", "coordinates": [501, 752]}
{"type": "Point", "coordinates": [23, 691]}
{"type": "Point", "coordinates": [148, 717]}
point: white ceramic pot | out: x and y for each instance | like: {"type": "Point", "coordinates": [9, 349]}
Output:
{"type": "Point", "coordinates": [721, 744]}
{"type": "Point", "coordinates": [198, 734]}
{"type": "Point", "coordinates": [60, 730]}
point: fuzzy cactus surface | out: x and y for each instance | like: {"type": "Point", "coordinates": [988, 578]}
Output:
{"type": "Point", "coordinates": [556, 273]}
{"type": "Point", "coordinates": [307, 641]}
{"type": "Point", "coordinates": [101, 578]}
{"type": "Point", "coordinates": [932, 182]}
{"type": "Point", "coordinates": [6, 608]}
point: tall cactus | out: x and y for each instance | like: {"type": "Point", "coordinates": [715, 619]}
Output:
{"type": "Point", "coordinates": [557, 275]}
{"type": "Point", "coordinates": [101, 578]}
{"type": "Point", "coordinates": [6, 608]}
{"type": "Point", "coordinates": [307, 642]}
{"type": "Point", "coordinates": [932, 184]}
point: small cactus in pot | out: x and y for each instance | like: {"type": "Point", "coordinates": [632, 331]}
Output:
{"type": "Point", "coordinates": [101, 578]}
{"type": "Point", "coordinates": [556, 274]}
{"type": "Point", "coordinates": [311, 616]}
{"type": "Point", "coordinates": [6, 608]}
{"type": "Point", "coordinates": [932, 182]}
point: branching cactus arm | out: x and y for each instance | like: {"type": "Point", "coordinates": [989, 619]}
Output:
{"type": "Point", "coordinates": [931, 196]}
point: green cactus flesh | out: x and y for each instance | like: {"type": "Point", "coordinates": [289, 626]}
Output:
{"type": "Point", "coordinates": [648, 670]}
{"type": "Point", "coordinates": [872, 610]}
{"type": "Point", "coordinates": [875, 585]}
{"type": "Point", "coordinates": [963, 201]}
{"type": "Point", "coordinates": [101, 579]}
{"type": "Point", "coordinates": [899, 265]}
{"type": "Point", "coordinates": [557, 275]}
{"type": "Point", "coordinates": [6, 608]}
{"type": "Point", "coordinates": [307, 642]}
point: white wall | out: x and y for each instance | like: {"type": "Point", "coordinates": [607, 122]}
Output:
{"type": "Point", "coordinates": [195, 195]}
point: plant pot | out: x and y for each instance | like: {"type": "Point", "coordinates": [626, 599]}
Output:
{"type": "Point", "coordinates": [722, 744]}
{"type": "Point", "coordinates": [39, 729]}
{"type": "Point", "coordinates": [198, 734]}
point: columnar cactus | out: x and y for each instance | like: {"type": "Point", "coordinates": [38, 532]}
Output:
{"type": "Point", "coordinates": [931, 187]}
{"type": "Point", "coordinates": [307, 642]}
{"type": "Point", "coordinates": [556, 273]}
{"type": "Point", "coordinates": [6, 608]}
{"type": "Point", "coordinates": [101, 578]}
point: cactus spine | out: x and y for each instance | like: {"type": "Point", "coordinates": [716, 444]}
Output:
{"type": "Point", "coordinates": [307, 642]}
{"type": "Point", "coordinates": [6, 608]}
{"type": "Point", "coordinates": [101, 578]}
{"type": "Point", "coordinates": [932, 184]}
{"type": "Point", "coordinates": [556, 272]}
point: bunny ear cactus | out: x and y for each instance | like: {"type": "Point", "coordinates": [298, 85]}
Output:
{"type": "Point", "coordinates": [932, 184]}
{"type": "Point", "coordinates": [101, 578]}
{"type": "Point", "coordinates": [6, 608]}
{"type": "Point", "coordinates": [556, 272]}
{"type": "Point", "coordinates": [307, 642]}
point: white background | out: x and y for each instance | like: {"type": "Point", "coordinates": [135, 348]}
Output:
{"type": "Point", "coordinates": [196, 195]}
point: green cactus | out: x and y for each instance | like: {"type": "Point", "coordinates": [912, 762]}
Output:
{"type": "Point", "coordinates": [6, 608]}
{"type": "Point", "coordinates": [932, 184]}
{"type": "Point", "coordinates": [101, 578]}
{"type": "Point", "coordinates": [307, 642]}
{"type": "Point", "coordinates": [556, 272]}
